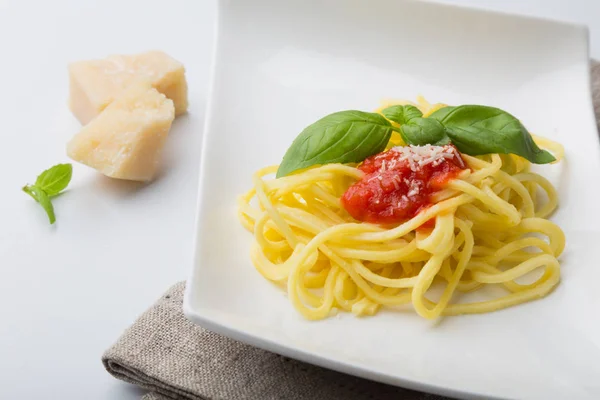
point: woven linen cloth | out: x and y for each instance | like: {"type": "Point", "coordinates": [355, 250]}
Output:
{"type": "Point", "coordinates": [175, 359]}
{"type": "Point", "coordinates": [596, 90]}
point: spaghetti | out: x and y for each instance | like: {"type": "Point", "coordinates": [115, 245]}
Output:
{"type": "Point", "coordinates": [487, 226]}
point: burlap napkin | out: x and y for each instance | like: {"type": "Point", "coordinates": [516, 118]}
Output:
{"type": "Point", "coordinates": [596, 90]}
{"type": "Point", "coordinates": [175, 359]}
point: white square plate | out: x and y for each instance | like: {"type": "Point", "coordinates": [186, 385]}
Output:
{"type": "Point", "coordinates": [280, 65]}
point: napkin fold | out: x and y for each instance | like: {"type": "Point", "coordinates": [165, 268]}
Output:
{"type": "Point", "coordinates": [175, 359]}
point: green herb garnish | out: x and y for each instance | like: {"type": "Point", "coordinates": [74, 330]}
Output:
{"type": "Point", "coordinates": [402, 114]}
{"type": "Point", "coordinates": [341, 137]}
{"type": "Point", "coordinates": [49, 184]}
{"type": "Point", "coordinates": [477, 130]}
{"type": "Point", "coordinates": [352, 136]}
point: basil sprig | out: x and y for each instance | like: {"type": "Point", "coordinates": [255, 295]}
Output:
{"type": "Point", "coordinates": [48, 184]}
{"type": "Point", "coordinates": [341, 137]}
{"type": "Point", "coordinates": [401, 114]}
{"type": "Point", "coordinates": [415, 129]}
{"type": "Point", "coordinates": [351, 136]}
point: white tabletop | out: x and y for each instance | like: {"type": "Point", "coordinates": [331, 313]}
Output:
{"type": "Point", "coordinates": [68, 291]}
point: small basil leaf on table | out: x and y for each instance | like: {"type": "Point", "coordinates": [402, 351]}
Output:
{"type": "Point", "coordinates": [422, 131]}
{"type": "Point", "coordinates": [341, 137]}
{"type": "Point", "coordinates": [55, 179]}
{"type": "Point", "coordinates": [48, 184]}
{"type": "Point", "coordinates": [41, 197]}
{"type": "Point", "coordinates": [477, 130]}
{"type": "Point", "coordinates": [401, 114]}
{"type": "Point", "coordinates": [45, 202]}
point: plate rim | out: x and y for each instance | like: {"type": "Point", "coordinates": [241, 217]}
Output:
{"type": "Point", "coordinates": [206, 318]}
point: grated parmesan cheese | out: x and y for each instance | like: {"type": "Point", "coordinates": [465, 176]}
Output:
{"type": "Point", "coordinates": [419, 156]}
{"type": "Point", "coordinates": [414, 188]}
{"type": "Point", "coordinates": [382, 166]}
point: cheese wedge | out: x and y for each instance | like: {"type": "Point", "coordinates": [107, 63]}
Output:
{"type": "Point", "coordinates": [94, 84]}
{"type": "Point", "coordinates": [127, 139]}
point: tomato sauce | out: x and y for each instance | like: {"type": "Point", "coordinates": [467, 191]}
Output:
{"type": "Point", "coordinates": [398, 183]}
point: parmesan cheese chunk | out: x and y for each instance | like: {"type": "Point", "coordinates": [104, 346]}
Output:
{"type": "Point", "coordinates": [95, 84]}
{"type": "Point", "coordinates": [127, 139]}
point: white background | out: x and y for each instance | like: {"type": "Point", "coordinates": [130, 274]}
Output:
{"type": "Point", "coordinates": [68, 291]}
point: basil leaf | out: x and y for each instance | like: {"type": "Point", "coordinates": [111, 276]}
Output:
{"type": "Point", "coordinates": [41, 197]}
{"type": "Point", "coordinates": [441, 113]}
{"type": "Point", "coordinates": [45, 202]}
{"type": "Point", "coordinates": [401, 114]}
{"type": "Point", "coordinates": [422, 131]}
{"type": "Point", "coordinates": [479, 130]}
{"type": "Point", "coordinates": [341, 137]}
{"type": "Point", "coordinates": [55, 179]}
{"type": "Point", "coordinates": [50, 183]}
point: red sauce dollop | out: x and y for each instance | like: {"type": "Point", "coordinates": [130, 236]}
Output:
{"type": "Point", "coordinates": [396, 187]}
